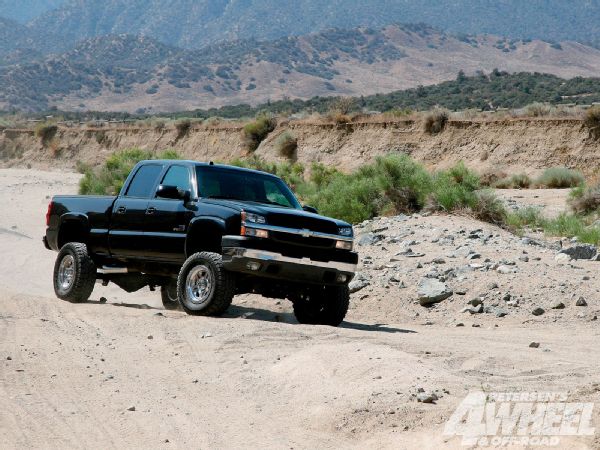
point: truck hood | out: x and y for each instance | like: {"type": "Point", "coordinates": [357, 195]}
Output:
{"type": "Point", "coordinates": [285, 217]}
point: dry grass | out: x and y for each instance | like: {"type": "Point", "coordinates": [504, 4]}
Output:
{"type": "Point", "coordinates": [287, 145]}
{"type": "Point", "coordinates": [592, 121]}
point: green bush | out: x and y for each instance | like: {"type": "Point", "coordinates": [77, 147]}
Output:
{"type": "Point", "coordinates": [488, 208]}
{"type": "Point", "coordinates": [286, 145]}
{"type": "Point", "coordinates": [255, 132]}
{"type": "Point", "coordinates": [109, 178]}
{"type": "Point", "coordinates": [585, 200]}
{"type": "Point", "coordinates": [46, 132]}
{"type": "Point", "coordinates": [434, 122]}
{"type": "Point", "coordinates": [560, 178]}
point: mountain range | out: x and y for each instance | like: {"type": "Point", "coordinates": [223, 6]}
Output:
{"type": "Point", "coordinates": [196, 23]}
{"type": "Point", "coordinates": [165, 55]}
{"type": "Point", "coordinates": [136, 73]}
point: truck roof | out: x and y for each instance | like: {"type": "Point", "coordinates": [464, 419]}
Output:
{"type": "Point", "coordinates": [205, 164]}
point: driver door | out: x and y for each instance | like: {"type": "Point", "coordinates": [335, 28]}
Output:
{"type": "Point", "coordinates": [168, 219]}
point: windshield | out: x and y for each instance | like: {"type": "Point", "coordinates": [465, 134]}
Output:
{"type": "Point", "coordinates": [217, 182]}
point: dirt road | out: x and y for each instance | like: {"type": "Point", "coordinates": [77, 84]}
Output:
{"type": "Point", "coordinates": [128, 374]}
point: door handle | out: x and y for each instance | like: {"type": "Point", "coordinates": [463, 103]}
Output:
{"type": "Point", "coordinates": [121, 210]}
{"type": "Point", "coordinates": [151, 210]}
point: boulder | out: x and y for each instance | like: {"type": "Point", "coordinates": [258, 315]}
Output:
{"type": "Point", "coordinates": [580, 251]}
{"type": "Point", "coordinates": [431, 290]}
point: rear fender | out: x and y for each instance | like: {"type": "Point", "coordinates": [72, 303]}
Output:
{"type": "Point", "coordinates": [74, 227]}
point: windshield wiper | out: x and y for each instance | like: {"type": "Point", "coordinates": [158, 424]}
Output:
{"type": "Point", "coordinates": [269, 202]}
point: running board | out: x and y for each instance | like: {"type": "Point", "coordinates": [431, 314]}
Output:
{"type": "Point", "coordinates": [106, 270]}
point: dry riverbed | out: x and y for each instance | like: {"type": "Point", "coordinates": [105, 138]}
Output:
{"type": "Point", "coordinates": [127, 374]}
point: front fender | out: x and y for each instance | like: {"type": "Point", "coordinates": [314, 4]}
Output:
{"type": "Point", "coordinates": [204, 234]}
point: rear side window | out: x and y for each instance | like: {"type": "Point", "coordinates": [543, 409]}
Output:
{"type": "Point", "coordinates": [143, 181]}
{"type": "Point", "coordinates": [178, 176]}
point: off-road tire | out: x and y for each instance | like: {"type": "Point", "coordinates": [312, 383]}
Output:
{"type": "Point", "coordinates": [222, 289]}
{"type": "Point", "coordinates": [326, 305]}
{"type": "Point", "coordinates": [84, 273]}
{"type": "Point", "coordinates": [168, 294]}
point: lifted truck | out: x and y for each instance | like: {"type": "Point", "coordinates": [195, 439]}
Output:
{"type": "Point", "coordinates": [203, 233]}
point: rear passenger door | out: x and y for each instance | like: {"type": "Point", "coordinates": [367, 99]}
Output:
{"type": "Point", "coordinates": [168, 222]}
{"type": "Point", "coordinates": [130, 214]}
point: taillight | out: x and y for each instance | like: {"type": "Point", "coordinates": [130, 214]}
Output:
{"type": "Point", "coordinates": [243, 229]}
{"type": "Point", "coordinates": [50, 205]}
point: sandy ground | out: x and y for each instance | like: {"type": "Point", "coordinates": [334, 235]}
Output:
{"type": "Point", "coordinates": [254, 379]}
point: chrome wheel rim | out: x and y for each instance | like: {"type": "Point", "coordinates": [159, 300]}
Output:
{"type": "Point", "coordinates": [66, 273]}
{"type": "Point", "coordinates": [199, 285]}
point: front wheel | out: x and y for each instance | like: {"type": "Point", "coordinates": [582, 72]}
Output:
{"type": "Point", "coordinates": [74, 273]}
{"type": "Point", "coordinates": [326, 305]}
{"type": "Point", "coordinates": [204, 287]}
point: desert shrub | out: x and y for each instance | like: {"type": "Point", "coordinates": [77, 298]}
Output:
{"type": "Point", "coordinates": [109, 178]}
{"type": "Point", "coordinates": [560, 178]}
{"type": "Point", "coordinates": [517, 181]}
{"type": "Point", "coordinates": [435, 121]}
{"type": "Point", "coordinates": [585, 200]}
{"type": "Point", "coordinates": [320, 174]}
{"type": "Point", "coordinates": [183, 128]}
{"type": "Point", "coordinates": [488, 208]}
{"type": "Point", "coordinates": [343, 105]}
{"type": "Point", "coordinates": [46, 132]}
{"type": "Point", "coordinates": [524, 217]}
{"type": "Point", "coordinates": [256, 131]}
{"type": "Point", "coordinates": [453, 188]}
{"type": "Point", "coordinates": [286, 145]}
{"type": "Point", "coordinates": [592, 121]}
{"type": "Point", "coordinates": [538, 110]}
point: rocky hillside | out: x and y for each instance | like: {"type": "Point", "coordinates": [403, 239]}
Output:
{"type": "Point", "coordinates": [513, 146]}
{"type": "Point", "coordinates": [127, 73]}
{"type": "Point", "coordinates": [196, 23]}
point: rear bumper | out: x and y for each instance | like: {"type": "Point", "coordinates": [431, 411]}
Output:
{"type": "Point", "coordinates": [239, 256]}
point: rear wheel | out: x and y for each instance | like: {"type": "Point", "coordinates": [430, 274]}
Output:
{"type": "Point", "coordinates": [74, 273]}
{"type": "Point", "coordinates": [204, 287]}
{"type": "Point", "coordinates": [168, 294]}
{"type": "Point", "coordinates": [326, 305]}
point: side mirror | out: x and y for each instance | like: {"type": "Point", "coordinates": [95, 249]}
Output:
{"type": "Point", "coordinates": [310, 209]}
{"type": "Point", "coordinates": [173, 193]}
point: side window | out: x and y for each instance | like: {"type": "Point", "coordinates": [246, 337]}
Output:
{"type": "Point", "coordinates": [143, 181]}
{"type": "Point", "coordinates": [178, 176]}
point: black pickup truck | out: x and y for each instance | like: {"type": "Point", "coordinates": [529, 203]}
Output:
{"type": "Point", "coordinates": [203, 233]}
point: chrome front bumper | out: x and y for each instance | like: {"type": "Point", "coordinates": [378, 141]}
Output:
{"type": "Point", "coordinates": [267, 257]}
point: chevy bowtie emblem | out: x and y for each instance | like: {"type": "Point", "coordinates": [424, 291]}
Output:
{"type": "Point", "coordinates": [305, 233]}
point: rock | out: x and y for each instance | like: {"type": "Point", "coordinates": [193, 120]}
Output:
{"type": "Point", "coordinates": [562, 258]}
{"type": "Point", "coordinates": [432, 291]}
{"type": "Point", "coordinates": [357, 285]}
{"type": "Point", "coordinates": [505, 270]}
{"type": "Point", "coordinates": [558, 305]}
{"type": "Point", "coordinates": [534, 345]}
{"type": "Point", "coordinates": [475, 302]}
{"type": "Point", "coordinates": [131, 408]}
{"type": "Point", "coordinates": [580, 251]}
{"type": "Point", "coordinates": [439, 261]}
{"type": "Point", "coordinates": [150, 337]}
{"type": "Point", "coordinates": [103, 300]}
{"type": "Point", "coordinates": [524, 258]}
{"type": "Point", "coordinates": [460, 324]}
{"type": "Point", "coordinates": [423, 397]}
{"type": "Point", "coordinates": [474, 256]}
{"type": "Point", "coordinates": [538, 311]}
{"type": "Point", "coordinates": [474, 309]}
{"type": "Point", "coordinates": [370, 239]}
{"type": "Point", "coordinates": [581, 302]}
{"type": "Point", "coordinates": [8, 358]}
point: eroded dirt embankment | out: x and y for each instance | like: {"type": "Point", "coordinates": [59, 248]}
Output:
{"type": "Point", "coordinates": [511, 145]}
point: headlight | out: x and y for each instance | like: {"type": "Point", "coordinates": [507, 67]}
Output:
{"type": "Point", "coordinates": [345, 231]}
{"type": "Point", "coordinates": [343, 245]}
{"type": "Point", "coordinates": [252, 218]}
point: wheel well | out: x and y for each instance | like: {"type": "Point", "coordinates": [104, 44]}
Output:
{"type": "Point", "coordinates": [72, 231]}
{"type": "Point", "coordinates": [204, 238]}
